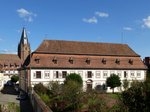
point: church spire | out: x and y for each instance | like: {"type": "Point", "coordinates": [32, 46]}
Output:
{"type": "Point", "coordinates": [24, 38]}
{"type": "Point", "coordinates": [23, 46]}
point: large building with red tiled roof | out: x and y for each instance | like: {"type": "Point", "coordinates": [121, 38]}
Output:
{"type": "Point", "coordinates": [54, 59]}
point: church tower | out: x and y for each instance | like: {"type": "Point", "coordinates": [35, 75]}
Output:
{"type": "Point", "coordinates": [23, 46]}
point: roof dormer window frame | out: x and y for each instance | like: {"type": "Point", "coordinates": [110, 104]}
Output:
{"type": "Point", "coordinates": [55, 60]}
{"type": "Point", "coordinates": [37, 60]}
{"type": "Point", "coordinates": [88, 61]}
{"type": "Point", "coordinates": [117, 61]}
{"type": "Point", "coordinates": [71, 60]}
{"type": "Point", "coordinates": [104, 60]}
{"type": "Point", "coordinates": [131, 61]}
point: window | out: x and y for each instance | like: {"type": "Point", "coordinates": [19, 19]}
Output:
{"type": "Point", "coordinates": [138, 74]}
{"type": "Point", "coordinates": [117, 61]}
{"type": "Point", "coordinates": [54, 60]}
{"type": "Point", "coordinates": [56, 74]}
{"type": "Point", "coordinates": [98, 74]}
{"type": "Point", "coordinates": [71, 60]}
{"type": "Point", "coordinates": [105, 73]}
{"type": "Point", "coordinates": [125, 74]}
{"type": "Point", "coordinates": [131, 61]}
{"type": "Point", "coordinates": [104, 61]}
{"type": "Point", "coordinates": [64, 74]}
{"type": "Point", "coordinates": [37, 60]}
{"type": "Point", "coordinates": [132, 74]}
{"type": "Point", "coordinates": [89, 74]}
{"type": "Point", "coordinates": [81, 73]}
{"type": "Point", "coordinates": [88, 61]}
{"type": "Point", "coordinates": [119, 73]}
{"type": "Point", "coordinates": [38, 74]}
{"type": "Point", "coordinates": [47, 74]}
{"type": "Point", "coordinates": [112, 72]}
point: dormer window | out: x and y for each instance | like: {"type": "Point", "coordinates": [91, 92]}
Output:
{"type": "Point", "coordinates": [104, 61]}
{"type": "Point", "coordinates": [11, 65]}
{"type": "Point", "coordinates": [5, 65]}
{"type": "Point", "coordinates": [37, 60]}
{"type": "Point", "coordinates": [117, 61]}
{"type": "Point", "coordinates": [54, 60]}
{"type": "Point", "coordinates": [71, 60]}
{"type": "Point", "coordinates": [131, 61]}
{"type": "Point", "coordinates": [88, 61]}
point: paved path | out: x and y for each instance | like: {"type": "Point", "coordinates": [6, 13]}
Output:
{"type": "Point", "coordinates": [9, 94]}
{"type": "Point", "coordinates": [6, 98]}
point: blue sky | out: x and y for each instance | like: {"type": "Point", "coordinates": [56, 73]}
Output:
{"type": "Point", "coordinates": [115, 21]}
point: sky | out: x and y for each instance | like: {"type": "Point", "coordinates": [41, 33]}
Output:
{"type": "Point", "coordinates": [108, 21]}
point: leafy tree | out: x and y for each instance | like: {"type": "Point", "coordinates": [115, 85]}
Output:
{"type": "Point", "coordinates": [15, 78]}
{"type": "Point", "coordinates": [74, 77]}
{"type": "Point", "coordinates": [113, 81]}
{"type": "Point", "coordinates": [125, 84]}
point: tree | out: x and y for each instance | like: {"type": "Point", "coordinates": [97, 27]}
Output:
{"type": "Point", "coordinates": [113, 81]}
{"type": "Point", "coordinates": [125, 84]}
{"type": "Point", "coordinates": [14, 78]}
{"type": "Point", "coordinates": [74, 77]}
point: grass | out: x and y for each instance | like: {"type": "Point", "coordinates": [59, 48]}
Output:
{"type": "Point", "coordinates": [114, 96]}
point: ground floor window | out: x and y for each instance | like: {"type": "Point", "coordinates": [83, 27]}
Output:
{"type": "Point", "coordinates": [64, 74]}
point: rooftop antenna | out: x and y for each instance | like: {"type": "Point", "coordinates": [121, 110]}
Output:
{"type": "Point", "coordinates": [46, 36]}
{"type": "Point", "coordinates": [122, 37]}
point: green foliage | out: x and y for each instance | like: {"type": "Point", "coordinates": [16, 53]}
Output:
{"type": "Point", "coordinates": [12, 107]}
{"type": "Point", "coordinates": [45, 98]}
{"type": "Point", "coordinates": [113, 81]}
{"type": "Point", "coordinates": [74, 77]}
{"type": "Point", "coordinates": [125, 84]}
{"type": "Point", "coordinates": [137, 97]}
{"type": "Point", "coordinates": [15, 78]}
{"type": "Point", "coordinates": [40, 89]}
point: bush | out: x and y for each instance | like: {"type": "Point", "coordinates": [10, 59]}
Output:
{"type": "Point", "coordinates": [14, 78]}
{"type": "Point", "coordinates": [40, 89]}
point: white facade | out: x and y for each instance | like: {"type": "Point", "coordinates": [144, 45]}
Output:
{"type": "Point", "coordinates": [91, 77]}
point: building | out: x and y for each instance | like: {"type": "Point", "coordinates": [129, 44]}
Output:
{"type": "Point", "coordinates": [10, 63]}
{"type": "Point", "coordinates": [54, 59]}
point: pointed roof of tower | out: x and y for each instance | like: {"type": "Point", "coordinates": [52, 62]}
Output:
{"type": "Point", "coordinates": [24, 38]}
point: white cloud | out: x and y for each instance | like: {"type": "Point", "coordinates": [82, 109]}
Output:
{"type": "Point", "coordinates": [146, 22]}
{"type": "Point", "coordinates": [102, 14]}
{"type": "Point", "coordinates": [91, 20]}
{"type": "Point", "coordinates": [6, 51]}
{"type": "Point", "coordinates": [127, 28]}
{"type": "Point", "coordinates": [26, 15]}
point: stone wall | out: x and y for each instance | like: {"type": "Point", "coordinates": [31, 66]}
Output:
{"type": "Point", "coordinates": [37, 103]}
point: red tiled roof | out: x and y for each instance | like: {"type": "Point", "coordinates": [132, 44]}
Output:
{"type": "Point", "coordinates": [79, 62]}
{"type": "Point", "coordinates": [9, 60]}
{"type": "Point", "coordinates": [86, 48]}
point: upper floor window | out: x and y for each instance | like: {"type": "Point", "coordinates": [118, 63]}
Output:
{"type": "Point", "coordinates": [98, 74]}
{"type": "Point", "coordinates": [138, 74]}
{"type": "Point", "coordinates": [56, 74]}
{"type": "Point", "coordinates": [105, 74]}
{"type": "Point", "coordinates": [125, 74]}
{"type": "Point", "coordinates": [38, 74]}
{"type": "Point", "coordinates": [132, 74]}
{"type": "Point", "coordinates": [47, 74]}
{"type": "Point", "coordinates": [89, 74]}
{"type": "Point", "coordinates": [81, 73]}
{"type": "Point", "coordinates": [119, 73]}
{"type": "Point", "coordinates": [64, 74]}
